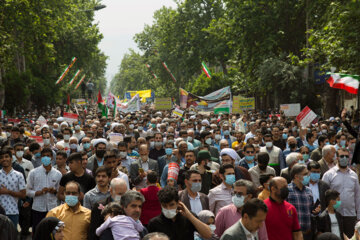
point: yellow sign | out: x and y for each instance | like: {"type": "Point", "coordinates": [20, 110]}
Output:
{"type": "Point", "coordinates": [163, 104]}
{"type": "Point", "coordinates": [241, 104]}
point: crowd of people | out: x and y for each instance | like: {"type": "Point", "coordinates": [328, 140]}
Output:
{"type": "Point", "coordinates": [155, 176]}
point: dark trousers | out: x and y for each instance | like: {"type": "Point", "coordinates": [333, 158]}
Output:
{"type": "Point", "coordinates": [25, 219]}
{"type": "Point", "coordinates": [349, 225]}
{"type": "Point", "coordinates": [36, 218]}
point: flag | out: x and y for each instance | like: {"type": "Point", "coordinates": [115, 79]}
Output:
{"type": "Point", "coordinates": [81, 80]}
{"type": "Point", "coordinates": [222, 107]}
{"type": "Point", "coordinates": [154, 75]}
{"type": "Point", "coordinates": [101, 105]}
{"type": "Point", "coordinates": [2, 113]}
{"type": "Point", "coordinates": [206, 70]}
{"type": "Point", "coordinates": [349, 83]}
{"type": "Point", "coordinates": [68, 103]}
{"type": "Point", "coordinates": [66, 70]}
{"type": "Point", "coordinates": [75, 76]}
{"type": "Point", "coordinates": [183, 98]}
{"type": "Point", "coordinates": [167, 69]}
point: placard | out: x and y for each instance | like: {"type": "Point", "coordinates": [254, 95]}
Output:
{"type": "Point", "coordinates": [178, 112]}
{"type": "Point", "coordinates": [70, 117]}
{"type": "Point", "coordinates": [236, 105]}
{"type": "Point", "coordinates": [116, 137]}
{"type": "Point", "coordinates": [163, 104]}
{"type": "Point", "coordinates": [290, 110]}
{"type": "Point", "coordinates": [247, 103]}
{"type": "Point", "coordinates": [306, 117]}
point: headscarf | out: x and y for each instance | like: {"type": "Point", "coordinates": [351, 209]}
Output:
{"type": "Point", "coordinates": [204, 216]}
{"type": "Point", "coordinates": [46, 227]}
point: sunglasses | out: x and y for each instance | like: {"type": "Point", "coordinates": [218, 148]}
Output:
{"type": "Point", "coordinates": [250, 152]}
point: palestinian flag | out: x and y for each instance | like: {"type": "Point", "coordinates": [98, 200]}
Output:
{"type": "Point", "coordinates": [349, 83]}
{"type": "Point", "coordinates": [206, 70]}
{"type": "Point", "coordinates": [102, 106]}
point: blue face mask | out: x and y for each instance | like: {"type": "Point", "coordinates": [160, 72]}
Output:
{"type": "Point", "coordinates": [315, 177]}
{"type": "Point", "coordinates": [37, 155]}
{"type": "Point", "coordinates": [301, 162]}
{"type": "Point", "coordinates": [71, 200]}
{"type": "Point", "coordinates": [337, 205]}
{"type": "Point", "coordinates": [86, 145]}
{"type": "Point", "coordinates": [284, 136]}
{"type": "Point", "coordinates": [306, 180]}
{"type": "Point", "coordinates": [196, 186]}
{"type": "Point", "coordinates": [305, 157]}
{"type": "Point", "coordinates": [168, 151]}
{"type": "Point", "coordinates": [342, 143]}
{"type": "Point", "coordinates": [46, 161]}
{"type": "Point", "coordinates": [226, 132]}
{"type": "Point", "coordinates": [230, 179]}
{"type": "Point", "coordinates": [249, 158]}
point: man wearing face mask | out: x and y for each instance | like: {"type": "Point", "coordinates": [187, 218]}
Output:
{"type": "Point", "coordinates": [226, 134]}
{"type": "Point", "coordinates": [140, 167]}
{"type": "Point", "coordinates": [118, 187]}
{"type": "Point", "coordinates": [277, 159]}
{"type": "Point", "coordinates": [344, 180]}
{"type": "Point", "coordinates": [291, 160]}
{"type": "Point", "coordinates": [168, 157]}
{"type": "Point", "coordinates": [25, 164]}
{"type": "Point", "coordinates": [66, 134]}
{"type": "Point", "coordinates": [227, 216]}
{"type": "Point", "coordinates": [75, 216]}
{"type": "Point", "coordinates": [292, 146]}
{"type": "Point", "coordinates": [176, 221]}
{"type": "Point", "coordinates": [158, 149]}
{"type": "Point", "coordinates": [86, 146]}
{"type": "Point", "coordinates": [261, 168]}
{"type": "Point", "coordinates": [97, 160]}
{"type": "Point", "coordinates": [221, 195]}
{"type": "Point", "coordinates": [205, 138]}
{"type": "Point", "coordinates": [78, 133]}
{"type": "Point", "coordinates": [35, 150]}
{"type": "Point", "coordinates": [124, 158]}
{"type": "Point", "coordinates": [248, 161]}
{"type": "Point", "coordinates": [42, 185]}
{"type": "Point", "coordinates": [301, 197]}
{"type": "Point", "coordinates": [317, 186]}
{"type": "Point", "coordinates": [191, 138]}
{"type": "Point", "coordinates": [193, 199]}
{"type": "Point", "coordinates": [281, 214]}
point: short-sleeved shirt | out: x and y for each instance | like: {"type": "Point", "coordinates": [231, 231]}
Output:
{"type": "Point", "coordinates": [86, 181]}
{"type": "Point", "coordinates": [179, 229]}
{"type": "Point", "coordinates": [281, 216]}
{"type": "Point", "coordinates": [13, 181]}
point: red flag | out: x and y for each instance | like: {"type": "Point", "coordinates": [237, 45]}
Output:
{"type": "Point", "coordinates": [99, 97]}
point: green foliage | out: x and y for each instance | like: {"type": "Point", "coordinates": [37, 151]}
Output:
{"type": "Point", "coordinates": [38, 39]}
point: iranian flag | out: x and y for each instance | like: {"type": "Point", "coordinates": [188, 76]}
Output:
{"type": "Point", "coordinates": [206, 70]}
{"type": "Point", "coordinates": [2, 113]}
{"type": "Point", "coordinates": [102, 106]}
{"type": "Point", "coordinates": [349, 83]}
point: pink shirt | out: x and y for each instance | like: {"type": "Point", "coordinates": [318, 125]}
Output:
{"type": "Point", "coordinates": [219, 196]}
{"type": "Point", "coordinates": [228, 216]}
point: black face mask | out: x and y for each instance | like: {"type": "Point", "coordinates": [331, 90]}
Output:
{"type": "Point", "coordinates": [284, 193]}
{"type": "Point", "coordinates": [262, 167]}
{"type": "Point", "coordinates": [292, 145]}
{"type": "Point", "coordinates": [100, 153]}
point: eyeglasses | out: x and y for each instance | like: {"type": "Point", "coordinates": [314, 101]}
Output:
{"type": "Point", "coordinates": [250, 152]}
{"type": "Point", "coordinates": [305, 153]}
{"type": "Point", "coordinates": [344, 156]}
{"type": "Point", "coordinates": [237, 194]}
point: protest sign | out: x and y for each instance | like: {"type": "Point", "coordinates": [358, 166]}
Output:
{"type": "Point", "coordinates": [163, 103]}
{"type": "Point", "coordinates": [236, 104]}
{"type": "Point", "coordinates": [116, 137]}
{"type": "Point", "coordinates": [70, 117]}
{"type": "Point", "coordinates": [178, 112]}
{"type": "Point", "coordinates": [38, 139]}
{"type": "Point", "coordinates": [290, 110]}
{"type": "Point", "coordinates": [42, 120]}
{"type": "Point", "coordinates": [306, 116]}
{"type": "Point", "coordinates": [247, 103]}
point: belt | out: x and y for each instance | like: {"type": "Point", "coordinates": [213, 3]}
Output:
{"type": "Point", "coordinates": [274, 164]}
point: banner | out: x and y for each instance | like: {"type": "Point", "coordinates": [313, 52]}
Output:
{"type": "Point", "coordinates": [163, 104]}
{"type": "Point", "coordinates": [236, 105]}
{"type": "Point", "coordinates": [178, 112]}
{"type": "Point", "coordinates": [70, 117]}
{"type": "Point", "coordinates": [290, 110]}
{"type": "Point", "coordinates": [143, 94]}
{"type": "Point", "coordinates": [247, 103]}
{"type": "Point", "coordinates": [42, 120]}
{"type": "Point", "coordinates": [306, 117]}
{"type": "Point", "coordinates": [131, 106]}
{"type": "Point", "coordinates": [79, 101]}
{"type": "Point", "coordinates": [222, 107]}
{"type": "Point", "coordinates": [38, 139]}
{"type": "Point", "coordinates": [115, 137]}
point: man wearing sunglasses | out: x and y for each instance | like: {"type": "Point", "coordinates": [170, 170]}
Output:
{"type": "Point", "coordinates": [249, 160]}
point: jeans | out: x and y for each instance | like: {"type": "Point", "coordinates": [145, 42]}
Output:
{"type": "Point", "coordinates": [14, 219]}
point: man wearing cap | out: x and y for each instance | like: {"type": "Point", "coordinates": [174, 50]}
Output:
{"type": "Point", "coordinates": [210, 161]}
{"type": "Point", "coordinates": [97, 160]}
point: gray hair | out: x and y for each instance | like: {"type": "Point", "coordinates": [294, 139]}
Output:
{"type": "Point", "coordinates": [291, 158]}
{"type": "Point", "coordinates": [296, 169]}
{"type": "Point", "coordinates": [326, 150]}
{"type": "Point", "coordinates": [156, 235]}
{"type": "Point", "coordinates": [130, 196]}
{"type": "Point", "coordinates": [357, 226]}
{"type": "Point", "coordinates": [250, 187]}
{"type": "Point", "coordinates": [117, 182]}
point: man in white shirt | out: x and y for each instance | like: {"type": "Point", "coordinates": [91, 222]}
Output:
{"type": "Point", "coordinates": [42, 186]}
{"type": "Point", "coordinates": [25, 164]}
{"type": "Point", "coordinates": [111, 163]}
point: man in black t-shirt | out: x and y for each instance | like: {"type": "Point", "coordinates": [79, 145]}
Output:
{"type": "Point", "coordinates": [78, 174]}
{"type": "Point", "coordinates": [176, 220]}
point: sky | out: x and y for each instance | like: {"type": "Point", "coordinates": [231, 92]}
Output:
{"type": "Point", "coordinates": [119, 22]}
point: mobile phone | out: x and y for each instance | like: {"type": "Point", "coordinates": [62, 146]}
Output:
{"type": "Point", "coordinates": [141, 170]}
{"type": "Point", "coordinates": [316, 204]}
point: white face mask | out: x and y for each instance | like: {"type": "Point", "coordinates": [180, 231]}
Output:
{"type": "Point", "coordinates": [212, 227]}
{"type": "Point", "coordinates": [269, 144]}
{"type": "Point", "coordinates": [169, 213]}
{"type": "Point", "coordinates": [46, 141]}
{"type": "Point", "coordinates": [117, 198]}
